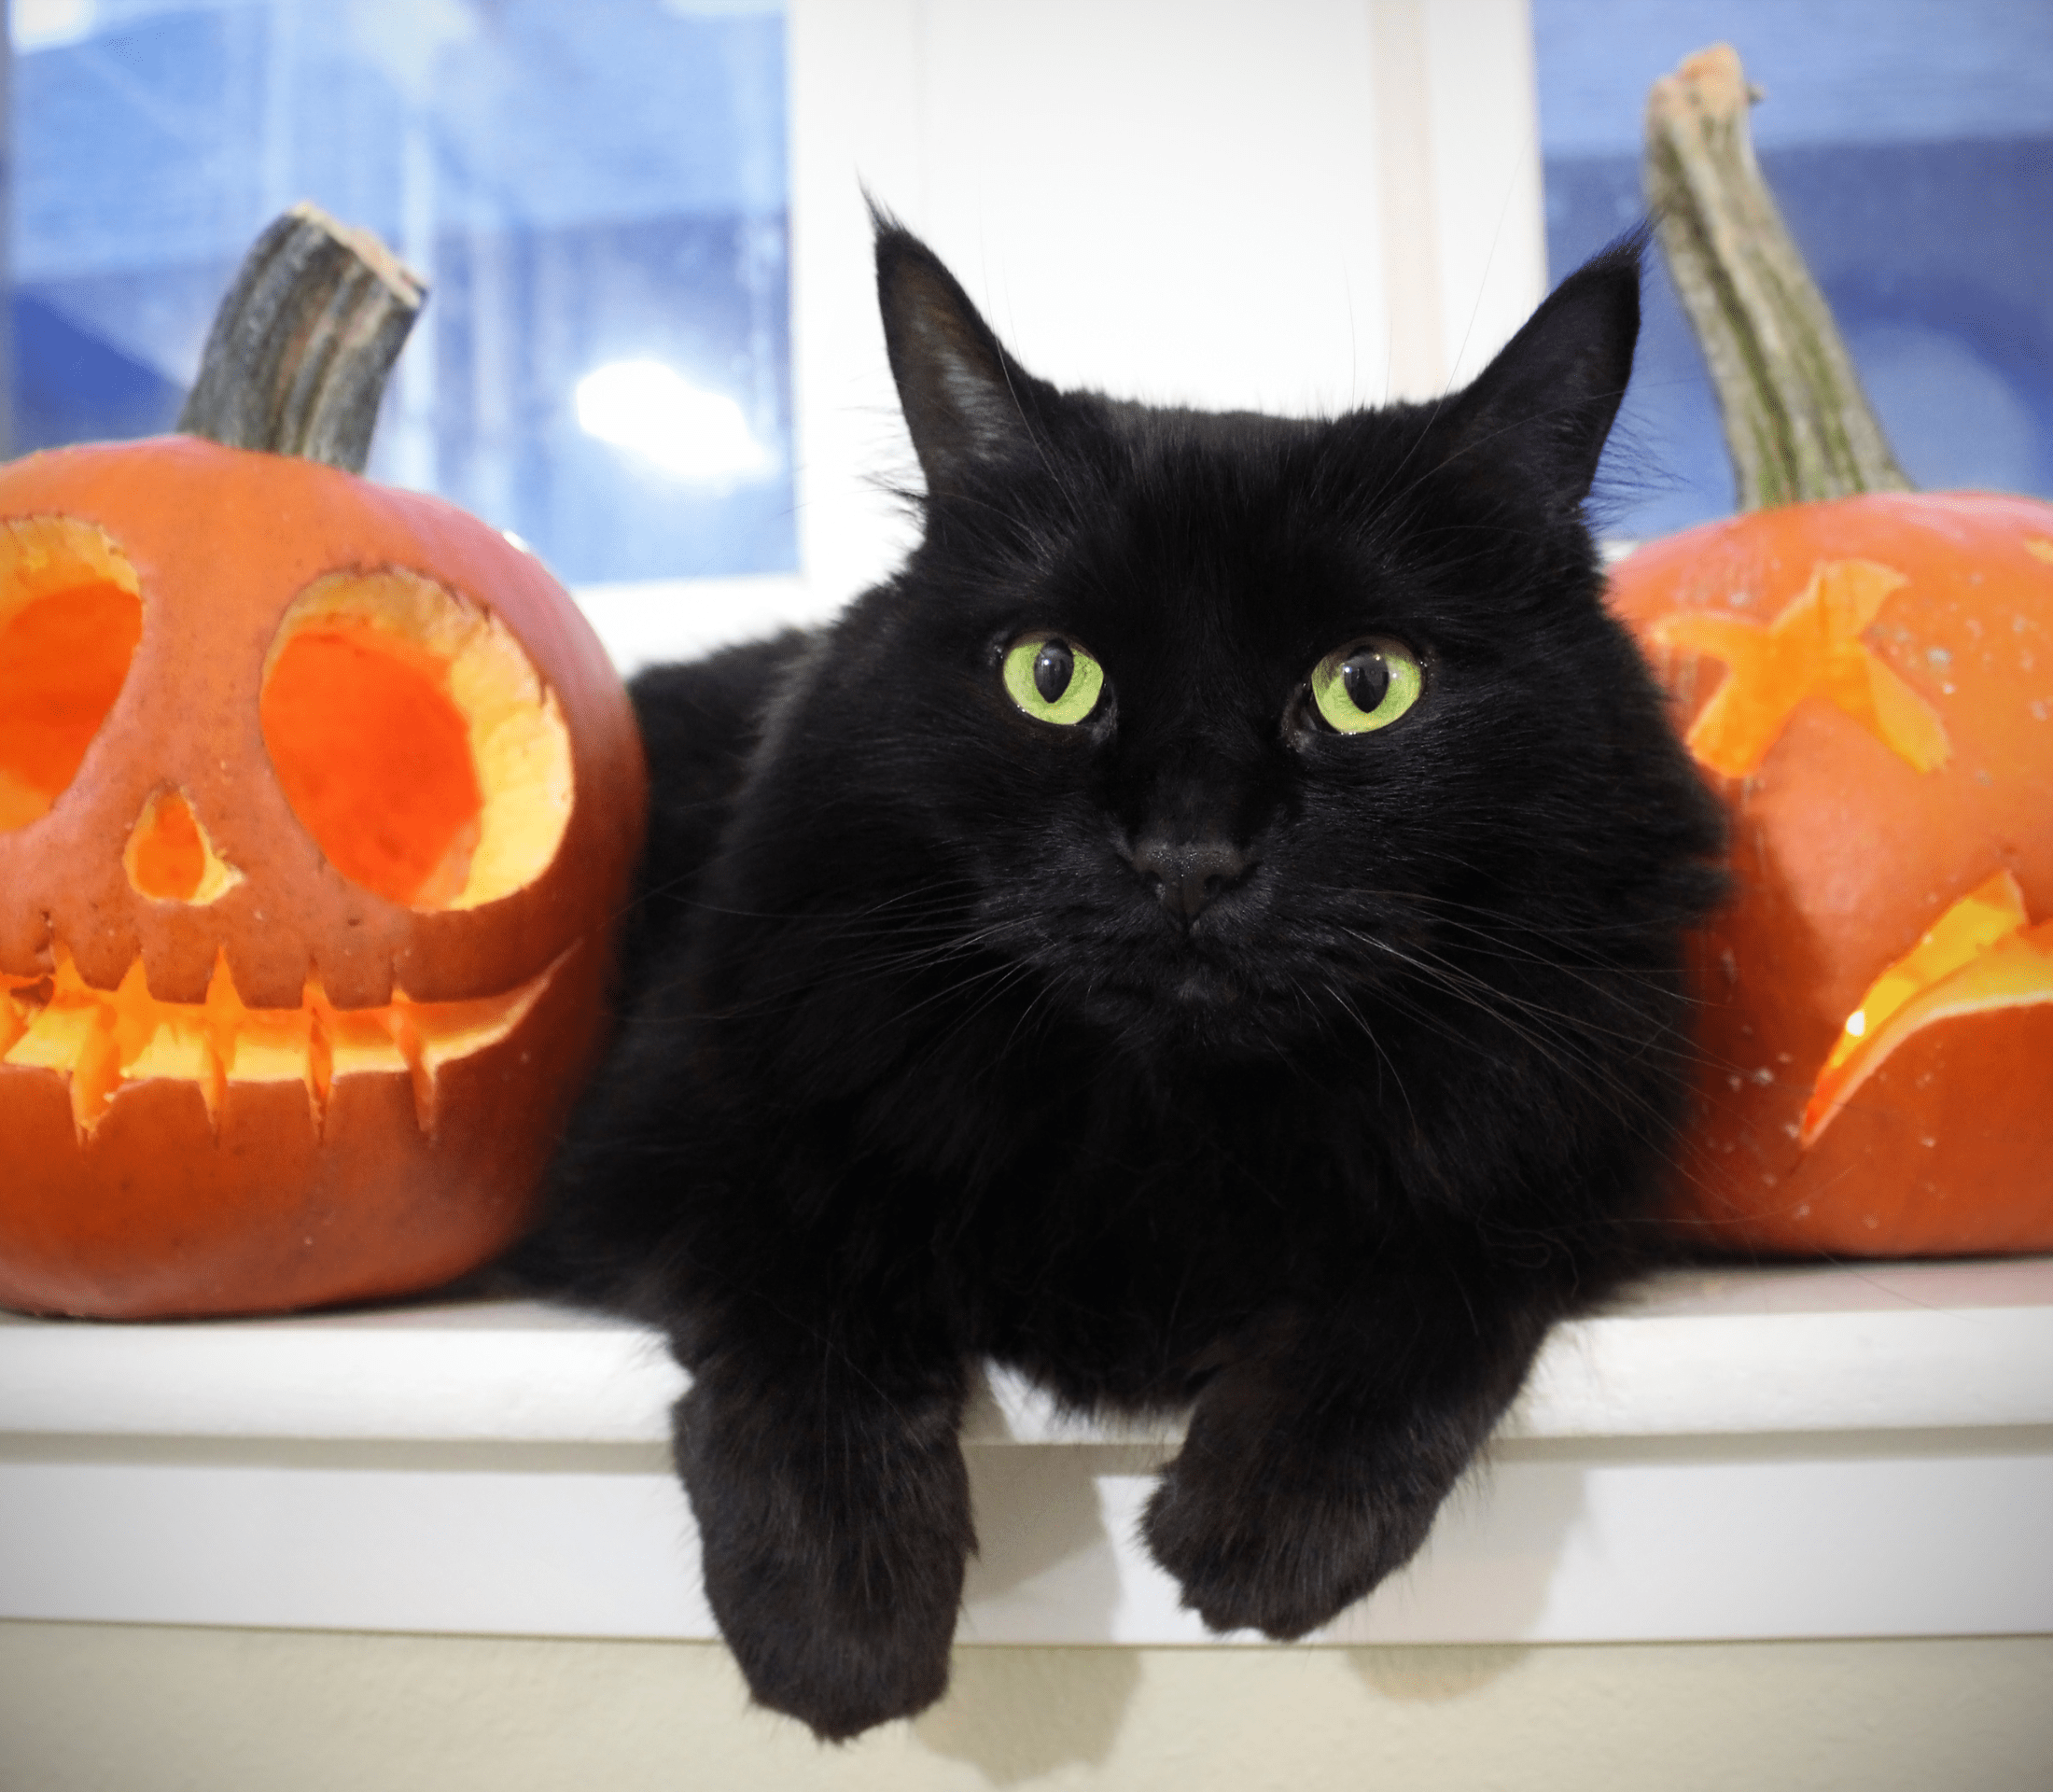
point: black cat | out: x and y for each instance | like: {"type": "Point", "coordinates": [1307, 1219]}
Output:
{"type": "Point", "coordinates": [1207, 931]}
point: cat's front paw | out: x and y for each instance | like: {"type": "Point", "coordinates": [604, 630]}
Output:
{"type": "Point", "coordinates": [834, 1565]}
{"type": "Point", "coordinates": [1279, 1558]}
{"type": "Point", "coordinates": [838, 1678]}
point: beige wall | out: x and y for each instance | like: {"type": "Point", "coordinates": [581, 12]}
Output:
{"type": "Point", "coordinates": [129, 1708]}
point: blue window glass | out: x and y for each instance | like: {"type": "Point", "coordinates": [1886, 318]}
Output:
{"type": "Point", "coordinates": [596, 193]}
{"type": "Point", "coordinates": [1909, 144]}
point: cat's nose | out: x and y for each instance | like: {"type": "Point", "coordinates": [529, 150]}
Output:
{"type": "Point", "coordinates": [1186, 875]}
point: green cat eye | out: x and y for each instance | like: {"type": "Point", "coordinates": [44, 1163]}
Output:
{"type": "Point", "coordinates": [1053, 679]}
{"type": "Point", "coordinates": [1367, 685]}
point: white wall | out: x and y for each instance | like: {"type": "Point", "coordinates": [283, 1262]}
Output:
{"type": "Point", "coordinates": [108, 1708]}
{"type": "Point", "coordinates": [1301, 206]}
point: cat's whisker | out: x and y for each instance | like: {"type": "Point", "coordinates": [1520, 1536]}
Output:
{"type": "Point", "coordinates": [1368, 1032]}
{"type": "Point", "coordinates": [1559, 1048]}
{"type": "Point", "coordinates": [1480, 989]}
{"type": "Point", "coordinates": [799, 986]}
{"type": "Point", "coordinates": [1599, 972]}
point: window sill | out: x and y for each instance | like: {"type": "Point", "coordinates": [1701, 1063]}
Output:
{"type": "Point", "coordinates": [1741, 1453]}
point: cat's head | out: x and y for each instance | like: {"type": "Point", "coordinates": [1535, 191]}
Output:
{"type": "Point", "coordinates": [1240, 728]}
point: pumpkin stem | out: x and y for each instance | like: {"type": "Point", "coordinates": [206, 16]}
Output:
{"type": "Point", "coordinates": [1798, 423]}
{"type": "Point", "coordinates": [297, 360]}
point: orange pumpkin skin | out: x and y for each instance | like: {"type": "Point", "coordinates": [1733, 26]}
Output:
{"type": "Point", "coordinates": [1845, 853]}
{"type": "Point", "coordinates": [379, 1121]}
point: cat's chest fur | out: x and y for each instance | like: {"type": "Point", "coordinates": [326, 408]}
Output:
{"type": "Point", "coordinates": [1105, 1232]}
{"type": "Point", "coordinates": [1115, 1275]}
{"type": "Point", "coordinates": [1094, 1210]}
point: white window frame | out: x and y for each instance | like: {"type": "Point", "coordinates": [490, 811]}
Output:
{"type": "Point", "coordinates": [1304, 206]}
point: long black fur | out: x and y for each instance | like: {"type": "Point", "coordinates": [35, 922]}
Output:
{"type": "Point", "coordinates": [927, 1060]}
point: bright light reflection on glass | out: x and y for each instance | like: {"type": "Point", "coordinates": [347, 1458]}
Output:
{"type": "Point", "coordinates": [50, 24]}
{"type": "Point", "coordinates": [653, 409]}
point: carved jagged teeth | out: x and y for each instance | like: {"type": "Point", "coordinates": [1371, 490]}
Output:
{"type": "Point", "coordinates": [105, 1040]}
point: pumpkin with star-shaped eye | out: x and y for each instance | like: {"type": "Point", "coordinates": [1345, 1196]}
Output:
{"type": "Point", "coordinates": [1869, 681]}
{"type": "Point", "coordinates": [318, 803]}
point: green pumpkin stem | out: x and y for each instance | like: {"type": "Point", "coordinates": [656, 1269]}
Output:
{"type": "Point", "coordinates": [1798, 425]}
{"type": "Point", "coordinates": [298, 357]}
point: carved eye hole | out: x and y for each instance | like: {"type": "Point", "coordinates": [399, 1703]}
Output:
{"type": "Point", "coordinates": [70, 616]}
{"type": "Point", "coordinates": [415, 741]}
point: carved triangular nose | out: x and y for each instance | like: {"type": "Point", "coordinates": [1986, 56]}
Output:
{"type": "Point", "coordinates": [169, 858]}
{"type": "Point", "coordinates": [1187, 875]}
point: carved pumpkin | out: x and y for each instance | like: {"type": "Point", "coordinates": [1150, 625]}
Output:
{"type": "Point", "coordinates": [317, 802]}
{"type": "Point", "coordinates": [1870, 680]}
{"type": "Point", "coordinates": [1867, 673]}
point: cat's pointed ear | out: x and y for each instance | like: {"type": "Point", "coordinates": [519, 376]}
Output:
{"type": "Point", "coordinates": [1542, 409]}
{"type": "Point", "coordinates": [963, 395]}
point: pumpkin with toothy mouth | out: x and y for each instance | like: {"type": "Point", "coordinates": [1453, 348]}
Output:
{"type": "Point", "coordinates": [317, 803]}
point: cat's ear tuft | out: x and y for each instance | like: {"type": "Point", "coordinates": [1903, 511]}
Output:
{"type": "Point", "coordinates": [1542, 409]}
{"type": "Point", "coordinates": [963, 395]}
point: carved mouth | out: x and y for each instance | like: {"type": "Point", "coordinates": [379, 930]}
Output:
{"type": "Point", "coordinates": [1981, 955]}
{"type": "Point", "coordinates": [105, 1040]}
